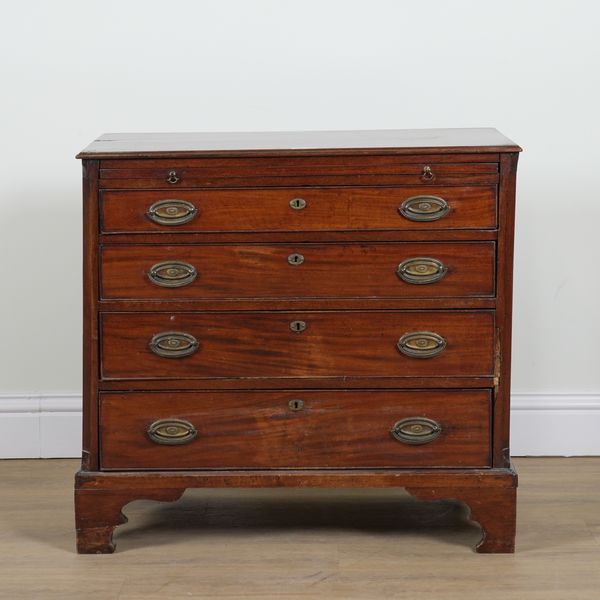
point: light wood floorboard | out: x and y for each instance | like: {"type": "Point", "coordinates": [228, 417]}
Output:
{"type": "Point", "coordinates": [302, 544]}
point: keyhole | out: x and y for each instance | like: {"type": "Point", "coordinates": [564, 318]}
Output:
{"type": "Point", "coordinates": [296, 404]}
{"type": "Point", "coordinates": [295, 259]}
{"type": "Point", "coordinates": [298, 203]}
{"type": "Point", "coordinates": [298, 326]}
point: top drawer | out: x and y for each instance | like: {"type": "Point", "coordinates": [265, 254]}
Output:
{"type": "Point", "coordinates": [298, 171]}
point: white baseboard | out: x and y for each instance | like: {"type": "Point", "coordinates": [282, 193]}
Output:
{"type": "Point", "coordinates": [40, 425]}
{"type": "Point", "coordinates": [555, 425]}
{"type": "Point", "coordinates": [49, 425]}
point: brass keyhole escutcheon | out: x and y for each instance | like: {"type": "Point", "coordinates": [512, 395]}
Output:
{"type": "Point", "coordinates": [298, 203]}
{"type": "Point", "coordinates": [295, 259]}
{"type": "Point", "coordinates": [298, 326]}
{"type": "Point", "coordinates": [296, 405]}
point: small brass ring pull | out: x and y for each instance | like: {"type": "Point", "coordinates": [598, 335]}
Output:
{"type": "Point", "coordinates": [172, 274]}
{"type": "Point", "coordinates": [173, 344]}
{"type": "Point", "coordinates": [424, 208]}
{"type": "Point", "coordinates": [416, 430]}
{"type": "Point", "coordinates": [427, 174]}
{"type": "Point", "coordinates": [421, 270]}
{"type": "Point", "coordinates": [172, 212]}
{"type": "Point", "coordinates": [171, 432]}
{"type": "Point", "coordinates": [172, 177]}
{"type": "Point", "coordinates": [298, 203]}
{"type": "Point", "coordinates": [421, 344]}
{"type": "Point", "coordinates": [298, 326]}
{"type": "Point", "coordinates": [295, 259]}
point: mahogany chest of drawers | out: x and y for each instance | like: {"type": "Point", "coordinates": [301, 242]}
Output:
{"type": "Point", "coordinates": [298, 309]}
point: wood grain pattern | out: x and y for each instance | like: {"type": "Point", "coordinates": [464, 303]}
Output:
{"type": "Point", "coordinates": [326, 271]}
{"type": "Point", "coordinates": [494, 509]}
{"type": "Point", "coordinates": [254, 168]}
{"type": "Point", "coordinates": [298, 383]}
{"type": "Point", "coordinates": [345, 365]}
{"type": "Point", "coordinates": [90, 337]}
{"type": "Point", "coordinates": [259, 430]}
{"type": "Point", "coordinates": [504, 310]}
{"type": "Point", "coordinates": [226, 180]}
{"type": "Point", "coordinates": [328, 209]}
{"type": "Point", "coordinates": [261, 345]}
{"type": "Point", "coordinates": [97, 515]}
{"type": "Point", "coordinates": [303, 544]}
{"type": "Point", "coordinates": [297, 304]}
{"type": "Point", "coordinates": [490, 494]}
{"type": "Point", "coordinates": [301, 164]}
{"type": "Point", "coordinates": [481, 140]}
{"type": "Point", "coordinates": [287, 237]}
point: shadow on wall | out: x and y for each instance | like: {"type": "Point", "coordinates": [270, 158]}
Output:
{"type": "Point", "coordinates": [40, 250]}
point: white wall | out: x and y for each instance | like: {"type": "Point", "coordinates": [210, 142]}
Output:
{"type": "Point", "coordinates": [71, 70]}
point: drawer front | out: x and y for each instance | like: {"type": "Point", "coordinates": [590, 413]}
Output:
{"type": "Point", "coordinates": [254, 345]}
{"type": "Point", "coordinates": [295, 429]}
{"type": "Point", "coordinates": [399, 270]}
{"type": "Point", "coordinates": [271, 172]}
{"type": "Point", "coordinates": [300, 209]}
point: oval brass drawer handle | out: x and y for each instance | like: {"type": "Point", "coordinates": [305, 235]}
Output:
{"type": "Point", "coordinates": [416, 430]}
{"type": "Point", "coordinates": [172, 212]}
{"type": "Point", "coordinates": [172, 274]}
{"type": "Point", "coordinates": [421, 344]}
{"type": "Point", "coordinates": [421, 270]}
{"type": "Point", "coordinates": [172, 432]}
{"type": "Point", "coordinates": [173, 344]}
{"type": "Point", "coordinates": [424, 208]}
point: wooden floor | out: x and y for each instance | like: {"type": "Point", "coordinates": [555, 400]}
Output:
{"type": "Point", "coordinates": [293, 544]}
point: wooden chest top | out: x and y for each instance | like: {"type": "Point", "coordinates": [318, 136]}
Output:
{"type": "Point", "coordinates": [388, 141]}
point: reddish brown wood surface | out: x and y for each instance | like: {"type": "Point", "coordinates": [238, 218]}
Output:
{"type": "Point", "coordinates": [136, 481]}
{"type": "Point", "coordinates": [493, 509]}
{"type": "Point", "coordinates": [308, 303]}
{"type": "Point", "coordinates": [345, 365]}
{"type": "Point", "coordinates": [482, 140]}
{"type": "Point", "coordinates": [292, 237]}
{"type": "Point", "coordinates": [327, 209]}
{"type": "Point", "coordinates": [226, 180]}
{"type": "Point", "coordinates": [315, 271]}
{"type": "Point", "coordinates": [504, 310]}
{"type": "Point", "coordinates": [90, 337]}
{"type": "Point", "coordinates": [334, 344]}
{"type": "Point", "coordinates": [298, 167]}
{"type": "Point", "coordinates": [489, 493]}
{"type": "Point", "coordinates": [297, 383]}
{"type": "Point", "coordinates": [268, 169]}
{"type": "Point", "coordinates": [98, 513]}
{"type": "Point", "coordinates": [259, 430]}
{"type": "Point", "coordinates": [301, 164]}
